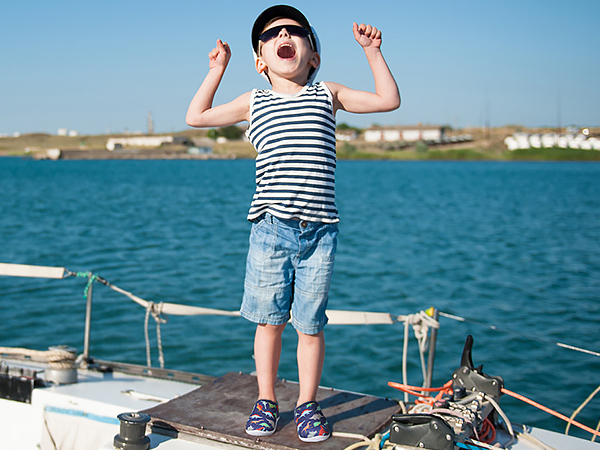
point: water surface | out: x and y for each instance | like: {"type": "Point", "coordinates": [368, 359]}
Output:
{"type": "Point", "coordinates": [515, 246]}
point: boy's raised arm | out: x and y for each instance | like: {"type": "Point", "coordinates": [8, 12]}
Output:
{"type": "Point", "coordinates": [386, 96]}
{"type": "Point", "coordinates": [201, 113]}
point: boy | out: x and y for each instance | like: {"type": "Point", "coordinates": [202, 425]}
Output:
{"type": "Point", "coordinates": [293, 213]}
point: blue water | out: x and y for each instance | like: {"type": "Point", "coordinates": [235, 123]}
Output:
{"type": "Point", "coordinates": [514, 246]}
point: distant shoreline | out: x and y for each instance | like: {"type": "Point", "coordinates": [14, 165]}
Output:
{"type": "Point", "coordinates": [532, 155]}
{"type": "Point", "coordinates": [487, 145]}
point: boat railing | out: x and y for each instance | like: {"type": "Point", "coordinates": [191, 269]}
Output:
{"type": "Point", "coordinates": [423, 323]}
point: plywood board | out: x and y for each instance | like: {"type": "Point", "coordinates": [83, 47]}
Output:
{"type": "Point", "coordinates": [219, 411]}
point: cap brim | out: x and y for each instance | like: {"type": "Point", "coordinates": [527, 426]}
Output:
{"type": "Point", "coordinates": [271, 13]}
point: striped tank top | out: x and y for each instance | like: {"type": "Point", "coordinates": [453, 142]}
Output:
{"type": "Point", "coordinates": [294, 136]}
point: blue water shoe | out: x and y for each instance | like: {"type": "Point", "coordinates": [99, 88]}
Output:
{"type": "Point", "coordinates": [264, 418]}
{"type": "Point", "coordinates": [311, 424]}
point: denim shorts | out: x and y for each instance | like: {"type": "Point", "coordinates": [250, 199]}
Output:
{"type": "Point", "coordinates": [288, 271]}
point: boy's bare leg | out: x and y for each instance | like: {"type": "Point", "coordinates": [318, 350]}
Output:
{"type": "Point", "coordinates": [311, 353]}
{"type": "Point", "coordinates": [267, 351]}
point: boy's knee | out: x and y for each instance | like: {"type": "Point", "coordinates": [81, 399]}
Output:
{"type": "Point", "coordinates": [268, 328]}
{"type": "Point", "coordinates": [310, 337]}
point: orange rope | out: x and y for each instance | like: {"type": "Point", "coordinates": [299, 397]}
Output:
{"type": "Point", "coordinates": [402, 387]}
{"type": "Point", "coordinates": [416, 391]}
{"type": "Point", "coordinates": [549, 411]}
{"type": "Point", "coordinates": [488, 431]}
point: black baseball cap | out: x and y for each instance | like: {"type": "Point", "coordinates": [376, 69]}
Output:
{"type": "Point", "coordinates": [289, 12]}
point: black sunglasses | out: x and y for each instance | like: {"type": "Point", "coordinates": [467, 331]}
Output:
{"type": "Point", "coordinates": [293, 30]}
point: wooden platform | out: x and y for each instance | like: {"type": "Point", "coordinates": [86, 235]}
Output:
{"type": "Point", "coordinates": [219, 411]}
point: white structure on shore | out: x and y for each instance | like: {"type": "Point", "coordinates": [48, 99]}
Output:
{"type": "Point", "coordinates": [405, 133]}
{"type": "Point", "coordinates": [346, 135]}
{"type": "Point", "coordinates": [138, 141]}
{"type": "Point", "coordinates": [521, 141]}
{"type": "Point", "coordinates": [65, 132]}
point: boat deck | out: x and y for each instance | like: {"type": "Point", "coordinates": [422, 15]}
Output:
{"type": "Point", "coordinates": [219, 411]}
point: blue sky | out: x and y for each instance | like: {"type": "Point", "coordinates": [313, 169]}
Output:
{"type": "Point", "coordinates": [102, 66]}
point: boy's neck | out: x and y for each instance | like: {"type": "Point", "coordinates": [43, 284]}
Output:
{"type": "Point", "coordinates": [287, 86]}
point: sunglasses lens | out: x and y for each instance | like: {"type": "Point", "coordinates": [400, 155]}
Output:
{"type": "Point", "coordinates": [298, 31]}
{"type": "Point", "coordinates": [269, 34]}
{"type": "Point", "coordinates": [293, 30]}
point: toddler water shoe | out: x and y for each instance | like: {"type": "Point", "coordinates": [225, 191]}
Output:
{"type": "Point", "coordinates": [311, 424]}
{"type": "Point", "coordinates": [263, 419]}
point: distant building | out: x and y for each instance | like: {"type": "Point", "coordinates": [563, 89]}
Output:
{"type": "Point", "coordinates": [138, 141]}
{"type": "Point", "coordinates": [202, 142]}
{"type": "Point", "coordinates": [407, 133]}
{"type": "Point", "coordinates": [346, 135]}
{"type": "Point", "coordinates": [66, 132]}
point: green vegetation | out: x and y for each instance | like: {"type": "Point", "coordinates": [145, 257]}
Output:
{"type": "Point", "coordinates": [348, 148]}
{"type": "Point", "coordinates": [459, 154]}
{"type": "Point", "coordinates": [468, 154]}
{"type": "Point", "coordinates": [553, 154]}
{"type": "Point", "coordinates": [231, 133]}
{"type": "Point", "coordinates": [429, 155]}
{"type": "Point", "coordinates": [421, 147]}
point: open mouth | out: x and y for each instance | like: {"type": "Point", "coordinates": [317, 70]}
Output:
{"type": "Point", "coordinates": [286, 51]}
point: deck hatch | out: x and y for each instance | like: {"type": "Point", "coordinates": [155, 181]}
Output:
{"type": "Point", "coordinates": [219, 411]}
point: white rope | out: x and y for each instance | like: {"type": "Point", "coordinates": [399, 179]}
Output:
{"type": "Point", "coordinates": [359, 437]}
{"type": "Point", "coordinates": [421, 408]}
{"type": "Point", "coordinates": [495, 328]}
{"type": "Point", "coordinates": [159, 320]}
{"type": "Point", "coordinates": [56, 358]}
{"type": "Point", "coordinates": [580, 407]}
{"type": "Point", "coordinates": [479, 444]}
{"type": "Point", "coordinates": [420, 322]}
{"type": "Point", "coordinates": [148, 355]}
{"type": "Point", "coordinates": [155, 310]}
{"type": "Point", "coordinates": [405, 358]}
{"type": "Point", "coordinates": [577, 349]}
{"type": "Point", "coordinates": [363, 441]}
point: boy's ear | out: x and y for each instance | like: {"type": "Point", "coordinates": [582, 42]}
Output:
{"type": "Point", "coordinates": [315, 60]}
{"type": "Point", "coordinates": [260, 65]}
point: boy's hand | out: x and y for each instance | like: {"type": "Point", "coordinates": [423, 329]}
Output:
{"type": "Point", "coordinates": [219, 56]}
{"type": "Point", "coordinates": [367, 36]}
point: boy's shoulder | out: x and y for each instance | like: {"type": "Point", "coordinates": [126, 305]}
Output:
{"type": "Point", "coordinates": [332, 86]}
